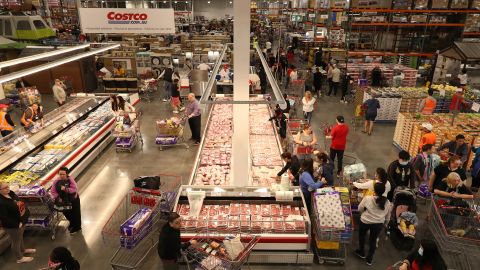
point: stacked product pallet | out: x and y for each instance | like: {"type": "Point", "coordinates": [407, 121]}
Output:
{"type": "Point", "coordinates": [364, 71]}
{"type": "Point", "coordinates": [389, 107]}
{"type": "Point", "coordinates": [408, 129]}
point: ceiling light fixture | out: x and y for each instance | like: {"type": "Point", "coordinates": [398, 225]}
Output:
{"type": "Point", "coordinates": [41, 55]}
{"type": "Point", "coordinates": [32, 70]}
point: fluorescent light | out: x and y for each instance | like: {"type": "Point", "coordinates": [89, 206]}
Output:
{"type": "Point", "coordinates": [28, 71]}
{"type": "Point", "coordinates": [41, 55]}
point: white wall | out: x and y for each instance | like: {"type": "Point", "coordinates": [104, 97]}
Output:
{"type": "Point", "coordinates": [215, 10]}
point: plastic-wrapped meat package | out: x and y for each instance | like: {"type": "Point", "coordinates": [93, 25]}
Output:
{"type": "Point", "coordinates": [233, 223]}
{"type": "Point", "coordinates": [204, 211]}
{"type": "Point", "coordinates": [289, 225]}
{"type": "Point", "coordinates": [266, 224]}
{"type": "Point", "coordinates": [245, 223]}
{"type": "Point", "coordinates": [190, 223]}
{"type": "Point", "coordinates": [266, 210]}
{"type": "Point", "coordinates": [222, 221]}
{"type": "Point", "coordinates": [296, 211]}
{"type": "Point", "coordinates": [212, 222]}
{"type": "Point", "coordinates": [202, 222]}
{"type": "Point", "coordinates": [255, 209]}
{"type": "Point", "coordinates": [244, 209]}
{"type": "Point", "coordinates": [303, 211]}
{"type": "Point", "coordinates": [275, 210]}
{"type": "Point", "coordinates": [224, 209]}
{"type": "Point", "coordinates": [277, 224]}
{"type": "Point", "coordinates": [213, 210]}
{"type": "Point", "coordinates": [256, 223]}
{"type": "Point", "coordinates": [183, 209]}
{"type": "Point", "coordinates": [234, 209]}
{"type": "Point", "coordinates": [286, 210]}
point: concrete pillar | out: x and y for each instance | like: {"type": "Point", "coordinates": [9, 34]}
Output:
{"type": "Point", "coordinates": [241, 56]}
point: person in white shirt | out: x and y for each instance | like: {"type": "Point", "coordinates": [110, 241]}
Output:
{"type": "Point", "coordinates": [374, 211]}
{"type": "Point", "coordinates": [268, 46]}
{"type": "Point", "coordinates": [59, 92]}
{"type": "Point", "coordinates": [308, 102]}
{"type": "Point", "coordinates": [463, 77]}
{"type": "Point", "coordinates": [335, 80]}
{"type": "Point", "coordinates": [294, 74]}
{"type": "Point", "coordinates": [203, 66]}
{"type": "Point", "coordinates": [381, 176]}
{"type": "Point", "coordinates": [224, 73]}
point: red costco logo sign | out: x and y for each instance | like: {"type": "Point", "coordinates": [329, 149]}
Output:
{"type": "Point", "coordinates": [127, 18]}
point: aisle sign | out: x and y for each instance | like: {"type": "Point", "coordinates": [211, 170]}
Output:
{"type": "Point", "coordinates": [475, 107]}
{"type": "Point", "coordinates": [127, 20]}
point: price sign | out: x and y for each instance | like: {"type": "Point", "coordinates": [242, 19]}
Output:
{"type": "Point", "coordinates": [475, 107]}
{"type": "Point", "coordinates": [442, 92]}
{"type": "Point", "coordinates": [323, 16]}
{"type": "Point", "coordinates": [311, 15]}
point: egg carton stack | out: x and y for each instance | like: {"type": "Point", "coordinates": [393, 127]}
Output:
{"type": "Point", "coordinates": [389, 107]}
{"type": "Point", "coordinates": [254, 218]}
{"type": "Point", "coordinates": [215, 158]}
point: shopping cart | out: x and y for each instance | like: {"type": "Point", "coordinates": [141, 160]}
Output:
{"type": "Point", "coordinates": [456, 230]}
{"type": "Point", "coordinates": [148, 87]}
{"type": "Point", "coordinates": [42, 217]}
{"type": "Point", "coordinates": [330, 243]}
{"type": "Point", "coordinates": [127, 132]}
{"type": "Point", "coordinates": [294, 126]}
{"type": "Point", "coordinates": [215, 250]}
{"type": "Point", "coordinates": [170, 132]}
{"type": "Point", "coordinates": [132, 250]}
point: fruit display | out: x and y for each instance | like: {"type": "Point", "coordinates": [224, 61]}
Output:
{"type": "Point", "coordinates": [18, 178]}
{"type": "Point", "coordinates": [363, 71]}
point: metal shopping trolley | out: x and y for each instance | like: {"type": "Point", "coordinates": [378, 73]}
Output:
{"type": "Point", "coordinates": [170, 132]}
{"type": "Point", "coordinates": [330, 243]}
{"type": "Point", "coordinates": [43, 216]}
{"type": "Point", "coordinates": [455, 225]}
{"type": "Point", "coordinates": [127, 132]}
{"type": "Point", "coordinates": [148, 87]}
{"type": "Point", "coordinates": [218, 250]}
{"type": "Point", "coordinates": [133, 249]}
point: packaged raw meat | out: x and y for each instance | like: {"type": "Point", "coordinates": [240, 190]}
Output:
{"type": "Point", "coordinates": [213, 210]}
{"type": "Point", "coordinates": [202, 222]}
{"type": "Point", "coordinates": [255, 209]}
{"type": "Point", "coordinates": [212, 222]}
{"type": "Point", "coordinates": [224, 209]}
{"type": "Point", "coordinates": [183, 209]}
{"type": "Point", "coordinates": [277, 224]}
{"type": "Point", "coordinates": [296, 211]}
{"type": "Point", "coordinates": [244, 209]}
{"type": "Point", "coordinates": [233, 223]}
{"type": "Point", "coordinates": [286, 210]}
{"type": "Point", "coordinates": [256, 223]}
{"type": "Point", "coordinates": [266, 224]}
{"type": "Point", "coordinates": [234, 209]}
{"type": "Point", "coordinates": [204, 211]}
{"type": "Point", "coordinates": [222, 221]}
{"type": "Point", "coordinates": [245, 222]}
{"type": "Point", "coordinates": [266, 210]}
{"type": "Point", "coordinates": [275, 210]}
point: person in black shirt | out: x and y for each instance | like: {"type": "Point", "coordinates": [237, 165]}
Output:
{"type": "Point", "coordinates": [317, 82]}
{"type": "Point", "coordinates": [325, 168]}
{"type": "Point", "coordinates": [401, 173]}
{"type": "Point", "coordinates": [291, 163]}
{"type": "Point", "coordinates": [169, 242]}
{"type": "Point", "coordinates": [376, 77]}
{"type": "Point", "coordinates": [453, 187]}
{"type": "Point", "coordinates": [441, 172]}
{"type": "Point", "coordinates": [457, 147]}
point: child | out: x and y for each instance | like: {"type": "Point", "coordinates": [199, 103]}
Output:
{"type": "Point", "coordinates": [407, 221]}
{"type": "Point", "coordinates": [175, 101]}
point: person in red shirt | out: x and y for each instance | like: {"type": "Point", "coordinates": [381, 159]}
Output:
{"type": "Point", "coordinates": [458, 101]}
{"type": "Point", "coordinates": [339, 140]}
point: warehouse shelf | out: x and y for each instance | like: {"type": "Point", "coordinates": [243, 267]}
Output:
{"type": "Point", "coordinates": [411, 24]}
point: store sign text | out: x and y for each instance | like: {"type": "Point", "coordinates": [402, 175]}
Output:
{"type": "Point", "coordinates": [127, 18]}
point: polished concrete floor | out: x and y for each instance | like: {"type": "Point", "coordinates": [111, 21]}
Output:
{"type": "Point", "coordinates": [107, 180]}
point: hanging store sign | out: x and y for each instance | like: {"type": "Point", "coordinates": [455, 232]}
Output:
{"type": "Point", "coordinates": [123, 21]}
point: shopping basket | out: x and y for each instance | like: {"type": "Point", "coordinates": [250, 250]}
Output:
{"type": "Point", "coordinates": [170, 132]}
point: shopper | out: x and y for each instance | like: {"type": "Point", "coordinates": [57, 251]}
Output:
{"type": "Point", "coordinates": [463, 77]}
{"type": "Point", "coordinates": [292, 166]}
{"type": "Point", "coordinates": [175, 101]}
{"type": "Point", "coordinates": [59, 93]}
{"type": "Point", "coordinates": [335, 80]}
{"type": "Point", "coordinates": [194, 118]}
{"type": "Point", "coordinates": [325, 168]}
{"type": "Point", "coordinates": [308, 102]}
{"type": "Point", "coordinates": [338, 135]}
{"type": "Point", "coordinates": [376, 77]}
{"type": "Point", "coordinates": [381, 176]}
{"type": "Point", "coordinates": [203, 66]}
{"type": "Point", "coordinates": [317, 81]}
{"type": "Point", "coordinates": [124, 107]}
{"type": "Point", "coordinates": [428, 104]}
{"type": "Point", "coordinates": [64, 192]}
{"type": "Point", "coordinates": [114, 103]}
{"type": "Point", "coordinates": [307, 182]}
{"type": "Point", "coordinates": [262, 75]}
{"type": "Point", "coordinates": [293, 74]}
{"type": "Point", "coordinates": [21, 83]}
{"type": "Point", "coordinates": [374, 210]}
{"type": "Point", "coordinates": [458, 102]}
{"type": "Point", "coordinates": [281, 123]}
{"type": "Point", "coordinates": [305, 140]}
{"type": "Point", "coordinates": [346, 82]}
{"type": "Point", "coordinates": [423, 163]}
{"type": "Point", "coordinates": [371, 110]}
{"type": "Point", "coordinates": [188, 65]}
{"type": "Point", "coordinates": [329, 78]}
{"type": "Point", "coordinates": [457, 147]}
{"type": "Point", "coordinates": [428, 136]}
{"type": "Point", "coordinates": [169, 242]}
{"type": "Point", "coordinates": [13, 217]}
{"type": "Point", "coordinates": [401, 173]}
{"type": "Point", "coordinates": [476, 170]}
{"type": "Point", "coordinates": [425, 257]}
{"type": "Point", "coordinates": [286, 111]}
{"type": "Point", "coordinates": [225, 73]}
{"type": "Point", "coordinates": [453, 187]}
{"type": "Point", "coordinates": [118, 71]}
{"type": "Point", "coordinates": [6, 124]}
{"type": "Point", "coordinates": [454, 164]}
{"type": "Point", "coordinates": [168, 77]}
{"type": "Point", "coordinates": [31, 115]}
{"type": "Point", "coordinates": [61, 259]}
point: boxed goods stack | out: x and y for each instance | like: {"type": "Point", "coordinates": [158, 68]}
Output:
{"type": "Point", "coordinates": [135, 228]}
{"type": "Point", "coordinates": [364, 71]}
{"type": "Point", "coordinates": [402, 4]}
{"type": "Point", "coordinates": [389, 106]}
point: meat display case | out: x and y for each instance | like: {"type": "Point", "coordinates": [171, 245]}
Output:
{"type": "Point", "coordinates": [72, 139]}
{"type": "Point", "coordinates": [283, 227]}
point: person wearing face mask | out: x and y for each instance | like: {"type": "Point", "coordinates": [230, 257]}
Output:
{"type": "Point", "coordinates": [426, 257]}
{"type": "Point", "coordinates": [401, 173]}
{"type": "Point", "coordinates": [453, 187]}
{"type": "Point", "coordinates": [441, 172]}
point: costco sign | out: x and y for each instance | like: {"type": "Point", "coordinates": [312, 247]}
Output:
{"type": "Point", "coordinates": [123, 21]}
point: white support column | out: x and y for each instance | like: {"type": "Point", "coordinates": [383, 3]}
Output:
{"type": "Point", "coordinates": [241, 59]}
{"type": "Point", "coordinates": [2, 93]}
